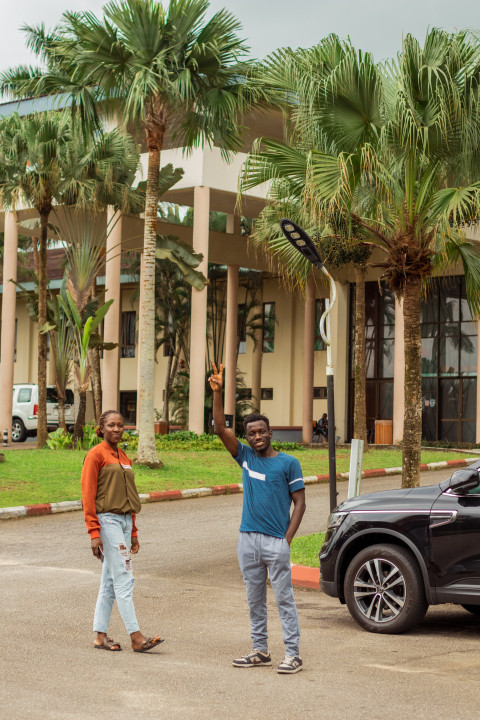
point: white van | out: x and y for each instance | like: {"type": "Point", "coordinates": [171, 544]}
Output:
{"type": "Point", "coordinates": [25, 408]}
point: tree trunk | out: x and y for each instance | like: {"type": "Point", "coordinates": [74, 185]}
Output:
{"type": "Point", "coordinates": [94, 359]}
{"type": "Point", "coordinates": [360, 374]}
{"type": "Point", "coordinates": [42, 430]}
{"type": "Point", "coordinates": [168, 383]}
{"type": "Point", "coordinates": [61, 414]}
{"type": "Point", "coordinates": [412, 428]}
{"type": "Point", "coordinates": [147, 453]}
{"type": "Point", "coordinates": [80, 419]}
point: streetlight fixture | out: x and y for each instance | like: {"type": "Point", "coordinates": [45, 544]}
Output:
{"type": "Point", "coordinates": [304, 244]}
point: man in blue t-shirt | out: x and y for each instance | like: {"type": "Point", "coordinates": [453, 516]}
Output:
{"type": "Point", "coordinates": [271, 482]}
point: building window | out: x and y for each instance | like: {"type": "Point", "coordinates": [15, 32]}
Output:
{"type": "Point", "coordinates": [319, 310]}
{"type": "Point", "coordinates": [242, 328]}
{"type": "Point", "coordinates": [244, 393]}
{"type": "Point", "coordinates": [319, 393]}
{"type": "Point", "coordinates": [267, 393]}
{"type": "Point", "coordinates": [268, 344]}
{"type": "Point", "coordinates": [128, 406]}
{"type": "Point", "coordinates": [128, 335]}
{"type": "Point", "coordinates": [449, 363]}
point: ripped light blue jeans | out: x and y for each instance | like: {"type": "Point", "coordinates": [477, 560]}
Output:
{"type": "Point", "coordinates": [117, 574]}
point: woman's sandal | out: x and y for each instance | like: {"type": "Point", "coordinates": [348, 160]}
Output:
{"type": "Point", "coordinates": [108, 644]}
{"type": "Point", "coordinates": [149, 643]}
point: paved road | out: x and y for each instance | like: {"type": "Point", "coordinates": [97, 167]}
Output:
{"type": "Point", "coordinates": [188, 587]}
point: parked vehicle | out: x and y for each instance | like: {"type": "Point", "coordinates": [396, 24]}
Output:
{"type": "Point", "coordinates": [25, 408]}
{"type": "Point", "coordinates": [389, 555]}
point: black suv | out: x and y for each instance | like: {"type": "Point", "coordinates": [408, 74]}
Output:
{"type": "Point", "coordinates": [390, 554]}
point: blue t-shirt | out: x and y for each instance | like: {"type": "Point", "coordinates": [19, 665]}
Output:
{"type": "Point", "coordinates": [268, 483]}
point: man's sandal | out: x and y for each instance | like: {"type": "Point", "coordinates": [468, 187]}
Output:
{"type": "Point", "coordinates": [108, 644]}
{"type": "Point", "coordinates": [149, 643]}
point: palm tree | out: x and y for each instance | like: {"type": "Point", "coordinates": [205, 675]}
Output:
{"type": "Point", "coordinates": [165, 70]}
{"type": "Point", "coordinates": [45, 161]}
{"type": "Point", "coordinates": [302, 81]}
{"type": "Point", "coordinates": [397, 155]}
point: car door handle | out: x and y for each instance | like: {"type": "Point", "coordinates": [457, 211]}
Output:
{"type": "Point", "coordinates": [442, 517]}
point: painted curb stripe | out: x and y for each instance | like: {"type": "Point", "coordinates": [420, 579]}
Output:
{"type": "Point", "coordinates": [71, 505]}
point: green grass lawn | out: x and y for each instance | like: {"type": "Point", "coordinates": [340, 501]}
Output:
{"type": "Point", "coordinates": [38, 476]}
{"type": "Point", "coordinates": [304, 550]}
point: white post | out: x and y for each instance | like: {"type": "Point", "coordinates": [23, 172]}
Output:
{"type": "Point", "coordinates": [355, 473]}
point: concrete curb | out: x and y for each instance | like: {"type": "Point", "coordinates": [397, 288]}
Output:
{"type": "Point", "coordinates": [70, 505]}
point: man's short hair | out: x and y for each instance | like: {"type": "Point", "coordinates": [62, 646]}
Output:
{"type": "Point", "coordinates": [255, 417]}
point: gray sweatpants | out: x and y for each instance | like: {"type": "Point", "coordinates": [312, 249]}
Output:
{"type": "Point", "coordinates": [259, 554]}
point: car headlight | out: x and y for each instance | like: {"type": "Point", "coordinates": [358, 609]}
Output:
{"type": "Point", "coordinates": [336, 519]}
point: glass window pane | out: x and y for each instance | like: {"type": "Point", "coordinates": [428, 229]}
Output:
{"type": "Point", "coordinates": [449, 300]}
{"type": "Point", "coordinates": [448, 329]}
{"type": "Point", "coordinates": [387, 331]}
{"type": "Point", "coordinates": [370, 358]}
{"type": "Point", "coordinates": [385, 361]}
{"type": "Point", "coordinates": [370, 304]}
{"type": "Point", "coordinates": [268, 327]}
{"type": "Point", "coordinates": [464, 309]}
{"type": "Point", "coordinates": [469, 399]}
{"type": "Point", "coordinates": [387, 300]}
{"type": "Point", "coordinates": [449, 431]}
{"type": "Point", "coordinates": [448, 355]}
{"type": "Point", "coordinates": [429, 409]}
{"type": "Point", "coordinates": [385, 401]}
{"type": "Point", "coordinates": [469, 430]}
{"type": "Point", "coordinates": [429, 356]}
{"type": "Point", "coordinates": [468, 355]}
{"type": "Point", "coordinates": [429, 306]}
{"type": "Point", "coordinates": [429, 330]}
{"type": "Point", "coordinates": [448, 390]}
{"type": "Point", "coordinates": [469, 328]}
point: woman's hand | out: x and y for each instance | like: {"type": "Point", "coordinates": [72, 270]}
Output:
{"type": "Point", "coordinates": [135, 547]}
{"type": "Point", "coordinates": [216, 378]}
{"type": "Point", "coordinates": [96, 544]}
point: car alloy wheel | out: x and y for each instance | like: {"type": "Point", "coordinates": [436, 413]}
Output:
{"type": "Point", "coordinates": [379, 589]}
{"type": "Point", "coordinates": [19, 432]}
{"type": "Point", "coordinates": [384, 589]}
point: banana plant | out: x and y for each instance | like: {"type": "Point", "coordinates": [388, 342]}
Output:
{"type": "Point", "coordinates": [82, 332]}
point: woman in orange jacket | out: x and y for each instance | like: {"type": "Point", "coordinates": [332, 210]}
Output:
{"type": "Point", "coordinates": [110, 505]}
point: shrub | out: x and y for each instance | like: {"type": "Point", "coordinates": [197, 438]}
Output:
{"type": "Point", "coordinates": [59, 440]}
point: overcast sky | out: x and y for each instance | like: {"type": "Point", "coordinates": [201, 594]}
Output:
{"type": "Point", "coordinates": [375, 25]}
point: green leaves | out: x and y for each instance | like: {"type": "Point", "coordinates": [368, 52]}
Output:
{"type": "Point", "coordinates": [171, 248]}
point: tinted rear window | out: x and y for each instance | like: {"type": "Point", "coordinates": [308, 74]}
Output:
{"type": "Point", "coordinates": [52, 395]}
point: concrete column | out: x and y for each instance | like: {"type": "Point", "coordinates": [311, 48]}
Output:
{"type": "Point", "coordinates": [139, 340]}
{"type": "Point", "coordinates": [308, 350]}
{"type": "Point", "coordinates": [198, 329]}
{"type": "Point", "coordinates": [257, 355]}
{"type": "Point", "coordinates": [398, 375]}
{"type": "Point", "coordinates": [7, 346]}
{"type": "Point", "coordinates": [111, 358]}
{"type": "Point", "coordinates": [231, 339]}
{"type": "Point", "coordinates": [477, 439]}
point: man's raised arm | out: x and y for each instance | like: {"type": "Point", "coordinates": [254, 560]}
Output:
{"type": "Point", "coordinates": [226, 435]}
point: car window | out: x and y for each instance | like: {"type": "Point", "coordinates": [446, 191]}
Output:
{"type": "Point", "coordinates": [475, 490]}
{"type": "Point", "coordinates": [24, 395]}
{"type": "Point", "coordinates": [52, 395]}
{"type": "Point", "coordinates": [69, 399]}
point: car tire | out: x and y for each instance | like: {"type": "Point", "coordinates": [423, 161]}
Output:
{"type": "Point", "coordinates": [392, 607]}
{"type": "Point", "coordinates": [474, 609]}
{"type": "Point", "coordinates": [19, 431]}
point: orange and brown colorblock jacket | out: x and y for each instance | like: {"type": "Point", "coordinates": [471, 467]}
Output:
{"type": "Point", "coordinates": [108, 485]}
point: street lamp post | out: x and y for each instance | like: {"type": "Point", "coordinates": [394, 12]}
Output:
{"type": "Point", "coordinates": [304, 244]}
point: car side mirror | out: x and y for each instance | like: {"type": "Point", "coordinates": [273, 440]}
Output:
{"type": "Point", "coordinates": [464, 480]}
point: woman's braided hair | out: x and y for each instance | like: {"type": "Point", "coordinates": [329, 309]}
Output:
{"type": "Point", "coordinates": [103, 417]}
